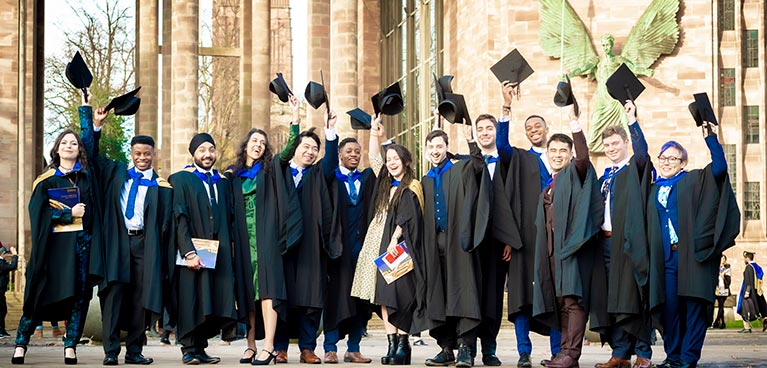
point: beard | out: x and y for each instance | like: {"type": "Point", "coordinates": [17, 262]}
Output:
{"type": "Point", "coordinates": [203, 166]}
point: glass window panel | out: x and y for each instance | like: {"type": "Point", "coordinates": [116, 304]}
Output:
{"type": "Point", "coordinates": [727, 86]}
{"type": "Point", "coordinates": [727, 15]}
{"type": "Point", "coordinates": [751, 201]}
{"type": "Point", "coordinates": [751, 124]}
{"type": "Point", "coordinates": [731, 156]}
{"type": "Point", "coordinates": [750, 49]}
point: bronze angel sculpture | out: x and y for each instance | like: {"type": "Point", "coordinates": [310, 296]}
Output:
{"type": "Point", "coordinates": [563, 35]}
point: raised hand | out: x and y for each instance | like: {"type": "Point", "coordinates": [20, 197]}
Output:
{"type": "Point", "coordinates": [295, 107]}
{"type": "Point", "coordinates": [330, 119]}
{"type": "Point", "coordinates": [631, 111]}
{"type": "Point", "coordinates": [378, 128]}
{"type": "Point", "coordinates": [87, 98]}
{"type": "Point", "coordinates": [99, 115]}
{"type": "Point", "coordinates": [508, 91]}
{"type": "Point", "coordinates": [572, 114]}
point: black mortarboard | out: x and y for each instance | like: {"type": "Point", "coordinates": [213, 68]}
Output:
{"type": "Point", "coordinates": [389, 100]}
{"type": "Point", "coordinates": [749, 254]}
{"type": "Point", "coordinates": [443, 86]}
{"type": "Point", "coordinates": [624, 85]}
{"type": "Point", "coordinates": [513, 68]}
{"type": "Point", "coordinates": [316, 95]}
{"type": "Point", "coordinates": [701, 109]}
{"type": "Point", "coordinates": [78, 74]}
{"type": "Point", "coordinates": [360, 119]}
{"type": "Point", "coordinates": [142, 139]}
{"type": "Point", "coordinates": [565, 96]}
{"type": "Point", "coordinates": [453, 109]}
{"type": "Point", "coordinates": [199, 139]}
{"type": "Point", "coordinates": [279, 87]}
{"type": "Point", "coordinates": [125, 103]}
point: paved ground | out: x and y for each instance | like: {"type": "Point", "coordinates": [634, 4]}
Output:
{"type": "Point", "coordinates": [725, 348]}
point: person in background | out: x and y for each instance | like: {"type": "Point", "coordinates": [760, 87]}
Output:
{"type": "Point", "coordinates": [751, 303]}
{"type": "Point", "coordinates": [722, 291]}
{"type": "Point", "coordinates": [9, 262]}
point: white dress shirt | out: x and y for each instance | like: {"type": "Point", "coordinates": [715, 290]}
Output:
{"type": "Point", "coordinates": [137, 222]}
{"type": "Point", "coordinates": [205, 184]}
{"type": "Point", "coordinates": [607, 225]}
{"type": "Point", "coordinates": [357, 183]}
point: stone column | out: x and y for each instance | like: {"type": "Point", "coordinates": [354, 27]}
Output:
{"type": "Point", "coordinates": [318, 16]}
{"type": "Point", "coordinates": [261, 66]}
{"type": "Point", "coordinates": [184, 79]}
{"type": "Point", "coordinates": [146, 61]}
{"type": "Point", "coordinates": [162, 161]}
{"type": "Point", "coordinates": [343, 61]}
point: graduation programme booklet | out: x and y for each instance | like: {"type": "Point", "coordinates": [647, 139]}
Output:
{"type": "Point", "coordinates": [394, 267]}
{"type": "Point", "coordinates": [65, 199]}
{"type": "Point", "coordinates": [207, 250]}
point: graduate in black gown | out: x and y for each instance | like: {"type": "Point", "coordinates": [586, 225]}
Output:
{"type": "Point", "coordinates": [625, 186]}
{"type": "Point", "coordinates": [351, 191]}
{"type": "Point", "coordinates": [527, 174]}
{"type": "Point", "coordinates": [454, 279]}
{"type": "Point", "coordinates": [313, 238]}
{"type": "Point", "coordinates": [751, 304]}
{"type": "Point", "coordinates": [259, 236]}
{"type": "Point", "coordinates": [569, 269]}
{"type": "Point", "coordinates": [206, 298]}
{"type": "Point", "coordinates": [137, 219]}
{"type": "Point", "coordinates": [63, 266]}
{"type": "Point", "coordinates": [692, 218]}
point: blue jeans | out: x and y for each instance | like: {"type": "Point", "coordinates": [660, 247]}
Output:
{"type": "Point", "coordinates": [683, 319]}
{"type": "Point", "coordinates": [624, 345]}
{"type": "Point", "coordinates": [522, 330]}
{"type": "Point", "coordinates": [308, 320]}
{"type": "Point", "coordinates": [355, 328]}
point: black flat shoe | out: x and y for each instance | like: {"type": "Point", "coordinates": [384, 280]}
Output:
{"type": "Point", "coordinates": [70, 361]}
{"type": "Point", "coordinates": [190, 359]}
{"type": "Point", "coordinates": [524, 360]}
{"type": "Point", "coordinates": [19, 360]}
{"type": "Point", "coordinates": [491, 360]}
{"type": "Point", "coordinates": [207, 359]}
{"type": "Point", "coordinates": [110, 359]}
{"type": "Point", "coordinates": [267, 361]}
{"type": "Point", "coordinates": [443, 359]}
{"type": "Point", "coordinates": [137, 359]}
{"type": "Point", "coordinates": [464, 359]}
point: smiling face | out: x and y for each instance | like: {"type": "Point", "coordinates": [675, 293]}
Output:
{"type": "Point", "coordinates": [306, 152]}
{"type": "Point", "coordinates": [559, 154]}
{"type": "Point", "coordinates": [350, 154]}
{"type": "Point", "coordinates": [69, 148]}
{"type": "Point", "coordinates": [436, 150]}
{"type": "Point", "coordinates": [616, 149]}
{"type": "Point", "coordinates": [255, 148]}
{"type": "Point", "coordinates": [670, 162]}
{"type": "Point", "coordinates": [205, 156]}
{"type": "Point", "coordinates": [394, 164]}
{"type": "Point", "coordinates": [486, 134]}
{"type": "Point", "coordinates": [142, 156]}
{"type": "Point", "coordinates": [536, 131]}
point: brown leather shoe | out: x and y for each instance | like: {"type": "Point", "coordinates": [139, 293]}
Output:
{"type": "Point", "coordinates": [642, 363]}
{"type": "Point", "coordinates": [356, 358]}
{"type": "Point", "coordinates": [331, 357]}
{"type": "Point", "coordinates": [614, 363]}
{"type": "Point", "coordinates": [308, 357]}
{"type": "Point", "coordinates": [563, 361]}
{"type": "Point", "coordinates": [282, 356]}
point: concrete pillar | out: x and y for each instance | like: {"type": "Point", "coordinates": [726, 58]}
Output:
{"type": "Point", "coordinates": [318, 16]}
{"type": "Point", "coordinates": [184, 79]}
{"type": "Point", "coordinates": [343, 61]}
{"type": "Point", "coordinates": [261, 65]}
{"type": "Point", "coordinates": [147, 65]}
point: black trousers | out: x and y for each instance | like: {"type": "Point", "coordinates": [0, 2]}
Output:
{"type": "Point", "coordinates": [122, 306]}
{"type": "Point", "coordinates": [194, 342]}
{"type": "Point", "coordinates": [447, 335]}
{"type": "Point", "coordinates": [3, 310]}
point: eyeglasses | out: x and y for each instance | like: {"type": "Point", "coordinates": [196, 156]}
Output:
{"type": "Point", "coordinates": [670, 159]}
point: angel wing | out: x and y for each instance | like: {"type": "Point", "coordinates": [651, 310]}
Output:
{"type": "Point", "coordinates": [578, 53]}
{"type": "Point", "coordinates": [655, 34]}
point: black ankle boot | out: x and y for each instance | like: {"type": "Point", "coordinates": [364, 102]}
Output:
{"type": "Point", "coordinates": [402, 355]}
{"type": "Point", "coordinates": [392, 348]}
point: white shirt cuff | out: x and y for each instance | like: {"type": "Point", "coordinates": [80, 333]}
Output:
{"type": "Point", "coordinates": [575, 126]}
{"type": "Point", "coordinates": [330, 134]}
{"type": "Point", "coordinates": [504, 119]}
{"type": "Point", "coordinates": [96, 129]}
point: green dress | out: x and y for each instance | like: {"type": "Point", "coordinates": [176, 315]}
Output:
{"type": "Point", "coordinates": [249, 192]}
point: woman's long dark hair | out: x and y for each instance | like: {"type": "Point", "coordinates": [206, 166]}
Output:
{"type": "Point", "coordinates": [82, 155]}
{"type": "Point", "coordinates": [241, 159]}
{"type": "Point", "coordinates": [385, 179]}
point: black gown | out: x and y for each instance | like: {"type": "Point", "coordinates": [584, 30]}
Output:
{"type": "Point", "coordinates": [270, 243]}
{"type": "Point", "coordinates": [206, 298]}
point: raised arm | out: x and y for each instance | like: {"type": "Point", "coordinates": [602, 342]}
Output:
{"type": "Point", "coordinates": [330, 161]}
{"type": "Point", "coordinates": [638, 141]}
{"type": "Point", "coordinates": [582, 160]}
{"type": "Point", "coordinates": [85, 112]}
{"type": "Point", "coordinates": [290, 147]}
{"type": "Point", "coordinates": [377, 136]}
{"type": "Point", "coordinates": [718, 162]}
{"type": "Point", "coordinates": [502, 133]}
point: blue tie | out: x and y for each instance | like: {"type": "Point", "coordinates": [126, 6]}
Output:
{"type": "Point", "coordinates": [608, 179]}
{"type": "Point", "coordinates": [131, 206]}
{"type": "Point", "coordinates": [489, 159]}
{"type": "Point", "coordinates": [352, 188]}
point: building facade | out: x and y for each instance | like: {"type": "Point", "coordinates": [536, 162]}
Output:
{"type": "Point", "coordinates": [184, 47]}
